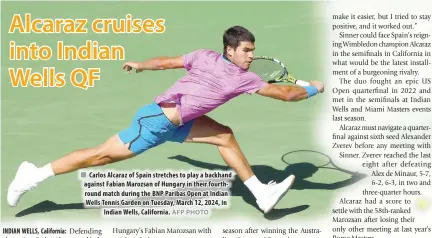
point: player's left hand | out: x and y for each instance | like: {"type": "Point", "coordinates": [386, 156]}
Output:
{"type": "Point", "coordinates": [318, 85]}
{"type": "Point", "coordinates": [128, 66]}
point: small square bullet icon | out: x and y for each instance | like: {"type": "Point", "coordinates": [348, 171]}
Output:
{"type": "Point", "coordinates": [83, 174]}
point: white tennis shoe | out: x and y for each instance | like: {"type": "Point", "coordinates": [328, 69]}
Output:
{"type": "Point", "coordinates": [23, 182]}
{"type": "Point", "coordinates": [273, 193]}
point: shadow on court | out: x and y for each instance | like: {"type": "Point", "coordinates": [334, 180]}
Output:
{"type": "Point", "coordinates": [263, 172]}
{"type": "Point", "coordinates": [267, 173]}
{"type": "Point", "coordinates": [49, 206]}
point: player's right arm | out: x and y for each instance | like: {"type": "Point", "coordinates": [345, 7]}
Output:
{"type": "Point", "coordinates": [290, 93]}
{"type": "Point", "coordinates": [157, 63]}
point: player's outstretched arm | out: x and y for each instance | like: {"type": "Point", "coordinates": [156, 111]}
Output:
{"type": "Point", "coordinates": [290, 93]}
{"type": "Point", "coordinates": [157, 63]}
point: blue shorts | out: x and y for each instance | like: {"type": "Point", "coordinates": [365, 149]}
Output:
{"type": "Point", "coordinates": [150, 127]}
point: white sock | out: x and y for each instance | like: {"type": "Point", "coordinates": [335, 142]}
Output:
{"type": "Point", "coordinates": [255, 186]}
{"type": "Point", "coordinates": [45, 172]}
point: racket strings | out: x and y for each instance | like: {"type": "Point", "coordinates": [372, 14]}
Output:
{"type": "Point", "coordinates": [268, 70]}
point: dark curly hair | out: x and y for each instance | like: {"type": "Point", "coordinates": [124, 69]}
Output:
{"type": "Point", "coordinates": [236, 34]}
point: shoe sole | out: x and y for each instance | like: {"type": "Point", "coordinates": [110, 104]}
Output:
{"type": "Point", "coordinates": [9, 194]}
{"type": "Point", "coordinates": [280, 197]}
{"type": "Point", "coordinates": [25, 163]}
{"type": "Point", "coordinates": [8, 199]}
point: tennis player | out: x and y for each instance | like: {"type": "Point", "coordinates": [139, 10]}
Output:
{"type": "Point", "coordinates": [178, 115]}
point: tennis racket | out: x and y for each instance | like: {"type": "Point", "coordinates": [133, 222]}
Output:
{"type": "Point", "coordinates": [272, 70]}
{"type": "Point", "coordinates": [318, 159]}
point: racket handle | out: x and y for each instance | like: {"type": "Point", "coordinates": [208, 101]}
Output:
{"type": "Point", "coordinates": [302, 83]}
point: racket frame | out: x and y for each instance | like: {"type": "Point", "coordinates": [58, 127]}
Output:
{"type": "Point", "coordinates": [286, 76]}
{"type": "Point", "coordinates": [330, 161]}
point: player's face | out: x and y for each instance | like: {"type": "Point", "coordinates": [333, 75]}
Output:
{"type": "Point", "coordinates": [243, 55]}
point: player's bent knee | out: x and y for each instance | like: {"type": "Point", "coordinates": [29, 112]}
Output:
{"type": "Point", "coordinates": [99, 161]}
{"type": "Point", "coordinates": [226, 136]}
{"type": "Point", "coordinates": [96, 157]}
